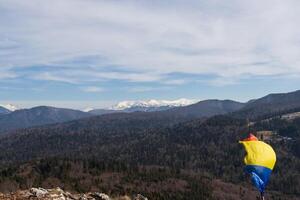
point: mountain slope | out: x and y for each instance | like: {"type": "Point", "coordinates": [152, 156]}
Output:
{"type": "Point", "coordinates": [102, 111]}
{"type": "Point", "coordinates": [269, 105]}
{"type": "Point", "coordinates": [130, 110]}
{"type": "Point", "coordinates": [4, 110]}
{"type": "Point", "coordinates": [147, 109]}
{"type": "Point", "coordinates": [207, 108]}
{"type": "Point", "coordinates": [38, 116]}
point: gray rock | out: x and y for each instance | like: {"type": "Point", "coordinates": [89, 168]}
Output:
{"type": "Point", "coordinates": [39, 192]}
{"type": "Point", "coordinates": [100, 196]}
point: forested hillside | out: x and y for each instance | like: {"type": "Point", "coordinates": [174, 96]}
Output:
{"type": "Point", "coordinates": [270, 105]}
{"type": "Point", "coordinates": [208, 149]}
{"type": "Point", "coordinates": [154, 152]}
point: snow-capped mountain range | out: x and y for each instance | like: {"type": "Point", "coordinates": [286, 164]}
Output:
{"type": "Point", "coordinates": [139, 105]}
{"type": "Point", "coordinates": [153, 103]}
{"type": "Point", "coordinates": [142, 106]}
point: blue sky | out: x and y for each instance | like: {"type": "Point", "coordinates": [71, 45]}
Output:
{"type": "Point", "coordinates": [94, 53]}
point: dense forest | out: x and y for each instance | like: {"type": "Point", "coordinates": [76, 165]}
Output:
{"type": "Point", "coordinates": [111, 177]}
{"type": "Point", "coordinates": [164, 155]}
{"type": "Point", "coordinates": [195, 152]}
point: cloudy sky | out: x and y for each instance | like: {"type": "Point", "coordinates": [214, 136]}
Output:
{"type": "Point", "coordinates": [80, 53]}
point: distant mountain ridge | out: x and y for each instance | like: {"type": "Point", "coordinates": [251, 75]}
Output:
{"type": "Point", "coordinates": [158, 116]}
{"type": "Point", "coordinates": [168, 111]}
{"type": "Point", "coordinates": [208, 108]}
{"type": "Point", "coordinates": [38, 116]}
{"type": "Point", "coordinates": [269, 105]}
{"type": "Point", "coordinates": [130, 110]}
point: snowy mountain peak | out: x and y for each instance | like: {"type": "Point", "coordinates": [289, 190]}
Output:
{"type": "Point", "coordinates": [88, 109]}
{"type": "Point", "coordinates": [10, 107]}
{"type": "Point", "coordinates": [153, 103]}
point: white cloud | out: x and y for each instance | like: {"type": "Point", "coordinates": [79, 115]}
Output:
{"type": "Point", "coordinates": [47, 76]}
{"type": "Point", "coordinates": [175, 82]}
{"type": "Point", "coordinates": [147, 89]}
{"type": "Point", "coordinates": [92, 89]}
{"type": "Point", "coordinates": [75, 76]}
{"type": "Point", "coordinates": [227, 38]}
{"type": "Point", "coordinates": [7, 75]}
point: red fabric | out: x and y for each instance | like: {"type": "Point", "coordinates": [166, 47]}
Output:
{"type": "Point", "coordinates": [251, 138]}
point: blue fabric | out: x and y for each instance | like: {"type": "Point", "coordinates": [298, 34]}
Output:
{"type": "Point", "coordinates": [259, 176]}
{"type": "Point", "coordinates": [257, 182]}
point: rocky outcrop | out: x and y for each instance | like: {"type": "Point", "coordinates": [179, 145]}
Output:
{"type": "Point", "coordinates": [39, 192]}
{"type": "Point", "coordinates": [59, 194]}
{"type": "Point", "coordinates": [140, 197]}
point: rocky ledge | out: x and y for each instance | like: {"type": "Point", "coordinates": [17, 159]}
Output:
{"type": "Point", "coordinates": [59, 194]}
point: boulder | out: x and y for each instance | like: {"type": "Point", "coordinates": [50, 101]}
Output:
{"type": "Point", "coordinates": [38, 192]}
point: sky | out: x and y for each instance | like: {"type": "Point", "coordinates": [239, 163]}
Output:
{"type": "Point", "coordinates": [95, 53]}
